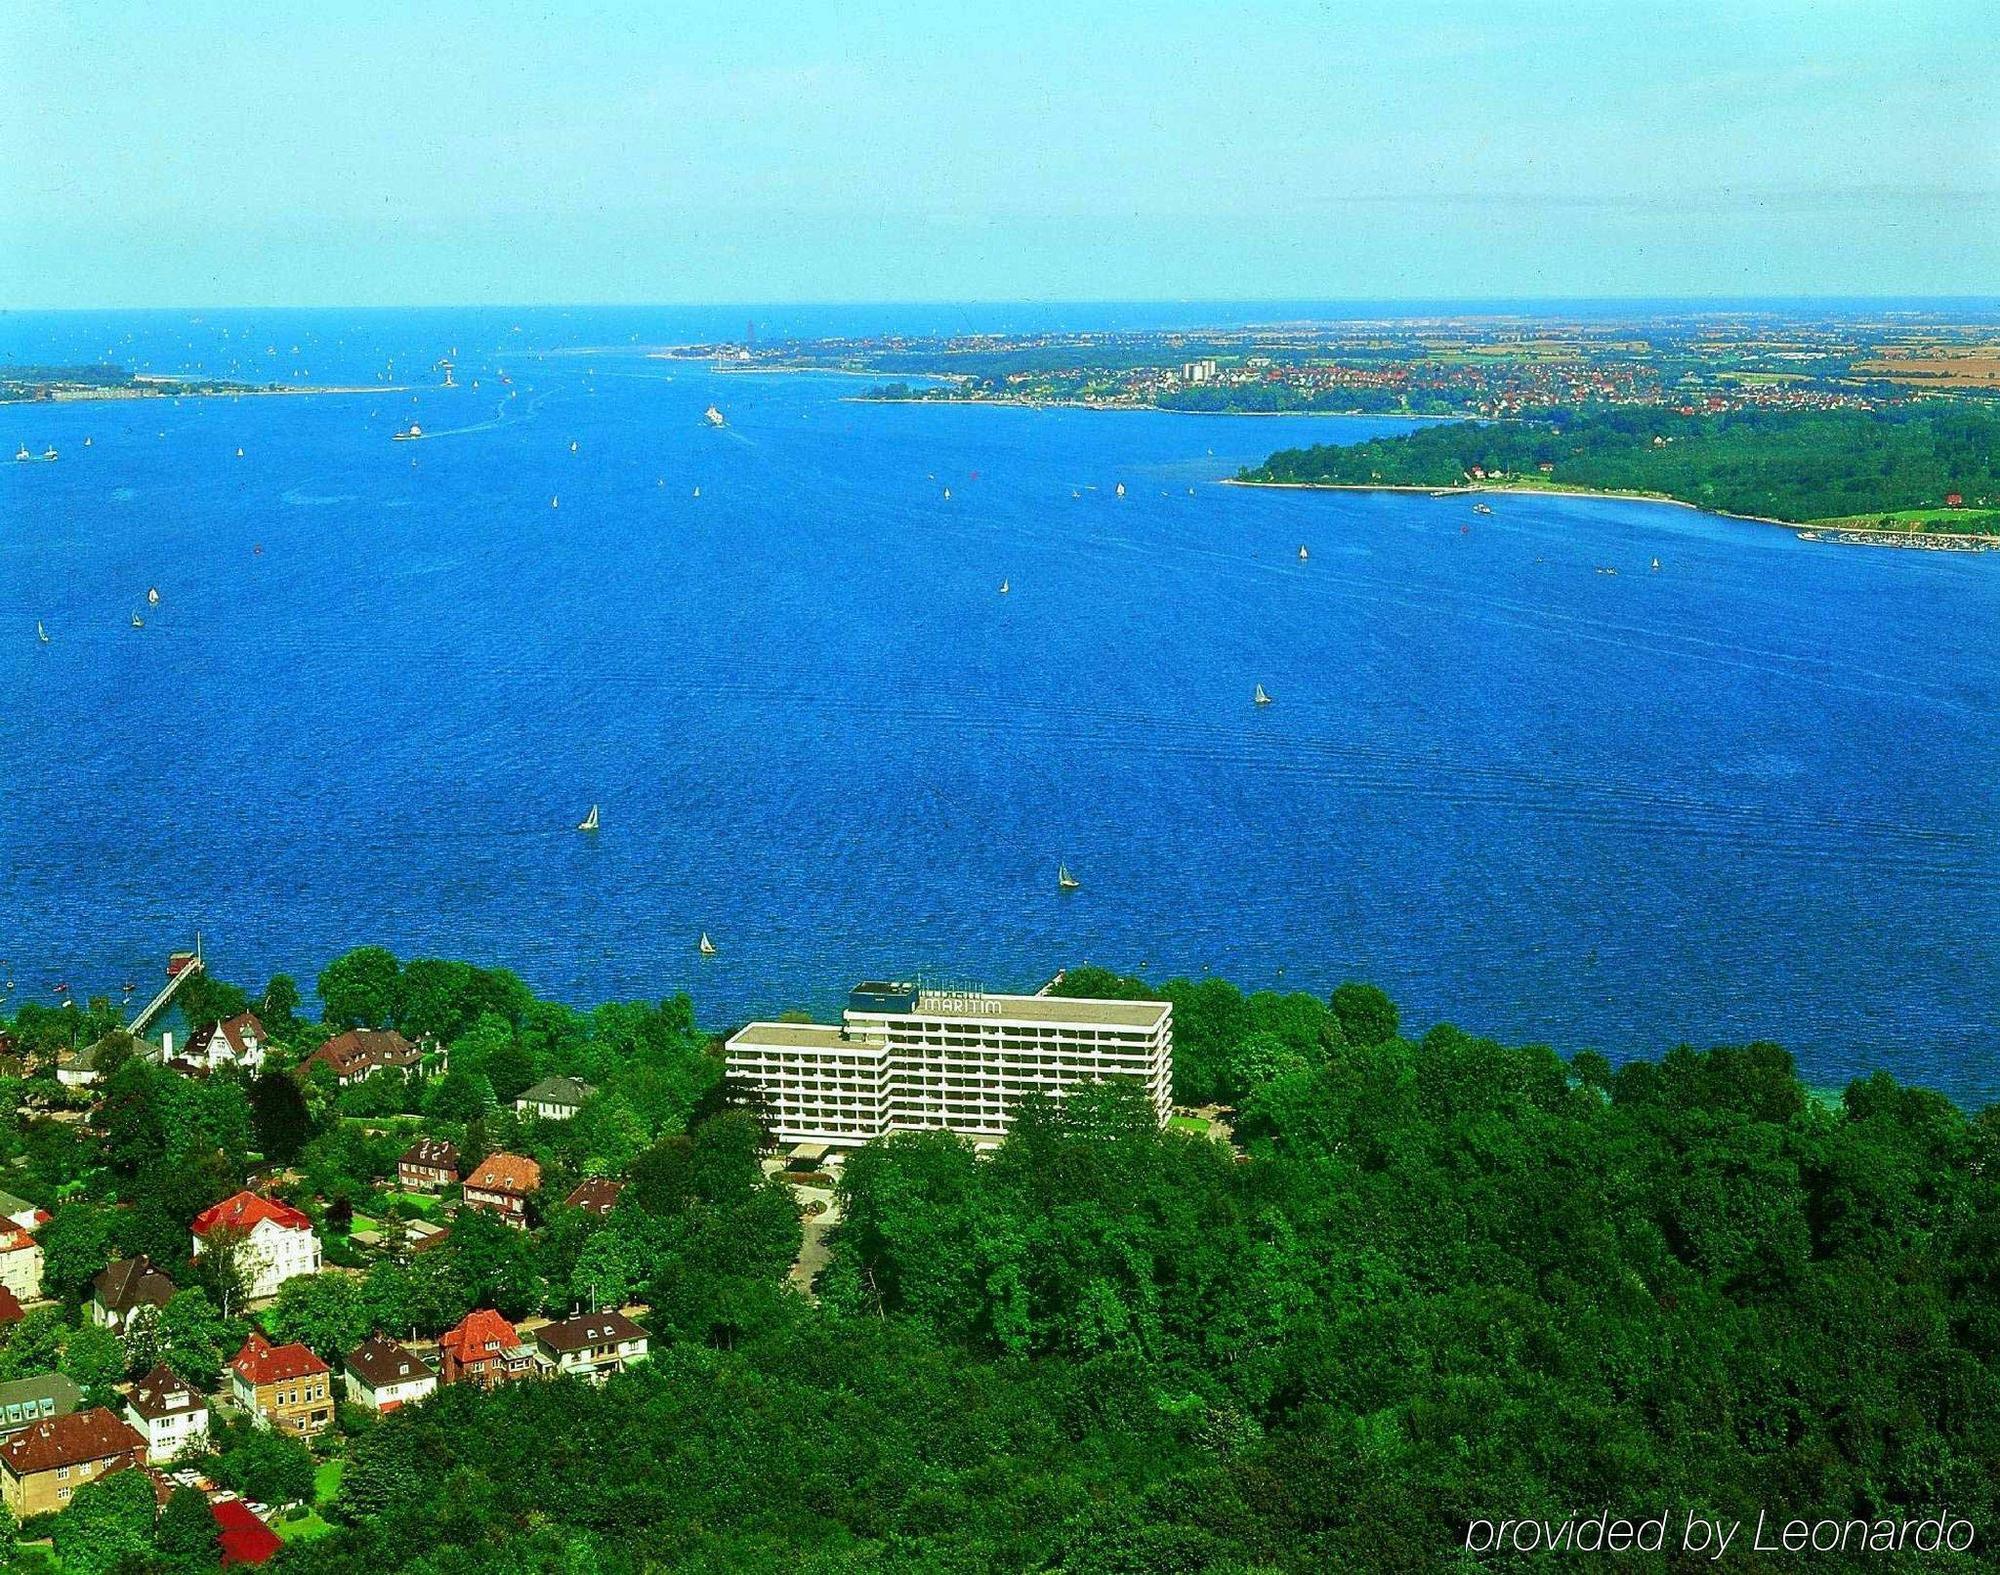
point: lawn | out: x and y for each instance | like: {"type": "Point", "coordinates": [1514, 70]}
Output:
{"type": "Point", "coordinates": [1193, 1124]}
{"type": "Point", "coordinates": [326, 1483]}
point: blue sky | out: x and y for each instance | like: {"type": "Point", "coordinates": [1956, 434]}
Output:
{"type": "Point", "coordinates": [354, 153]}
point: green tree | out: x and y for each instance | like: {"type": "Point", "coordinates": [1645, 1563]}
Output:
{"type": "Point", "coordinates": [278, 1116]}
{"type": "Point", "coordinates": [1367, 1016]}
{"type": "Point", "coordinates": [76, 1244]}
{"type": "Point", "coordinates": [193, 1337]}
{"type": "Point", "coordinates": [279, 1008]}
{"type": "Point", "coordinates": [94, 1357]}
{"type": "Point", "coordinates": [107, 1526]}
{"type": "Point", "coordinates": [186, 1533]}
{"type": "Point", "coordinates": [359, 989]}
{"type": "Point", "coordinates": [328, 1312]}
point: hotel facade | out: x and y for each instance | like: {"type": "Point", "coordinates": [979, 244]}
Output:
{"type": "Point", "coordinates": [911, 1058]}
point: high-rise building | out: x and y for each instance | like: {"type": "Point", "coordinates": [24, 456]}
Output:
{"type": "Point", "coordinates": [912, 1058]}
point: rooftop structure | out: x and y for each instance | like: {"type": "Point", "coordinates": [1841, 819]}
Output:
{"type": "Point", "coordinates": [911, 1057]}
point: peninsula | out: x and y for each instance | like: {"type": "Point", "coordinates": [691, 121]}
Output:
{"type": "Point", "coordinates": [1925, 468]}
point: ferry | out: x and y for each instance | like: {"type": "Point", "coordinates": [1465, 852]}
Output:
{"type": "Point", "coordinates": [409, 435]}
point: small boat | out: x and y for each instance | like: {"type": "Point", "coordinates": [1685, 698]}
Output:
{"type": "Point", "coordinates": [589, 822]}
{"type": "Point", "coordinates": [1260, 698]}
{"type": "Point", "coordinates": [713, 416]}
{"type": "Point", "coordinates": [555, 502]}
{"type": "Point", "coordinates": [697, 492]}
{"type": "Point", "coordinates": [1004, 586]}
{"type": "Point", "coordinates": [1121, 489]}
{"type": "Point", "coordinates": [1606, 569]}
{"type": "Point", "coordinates": [705, 946]}
{"type": "Point", "coordinates": [1807, 535]}
{"type": "Point", "coordinates": [1190, 491]}
{"type": "Point", "coordinates": [1442, 492]}
{"type": "Point", "coordinates": [41, 634]}
{"type": "Point", "coordinates": [86, 442]}
{"type": "Point", "coordinates": [1074, 493]}
{"type": "Point", "coordinates": [1303, 555]}
{"type": "Point", "coordinates": [138, 622]}
{"type": "Point", "coordinates": [1656, 565]}
{"type": "Point", "coordinates": [1064, 880]}
{"type": "Point", "coordinates": [1482, 508]}
{"type": "Point", "coordinates": [947, 494]}
{"type": "Point", "coordinates": [409, 435]}
{"type": "Point", "coordinates": [49, 456]}
{"type": "Point", "coordinates": [153, 596]}
{"type": "Point", "coordinates": [239, 453]}
{"type": "Point", "coordinates": [572, 445]}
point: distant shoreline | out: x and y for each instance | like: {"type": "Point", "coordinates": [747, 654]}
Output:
{"type": "Point", "coordinates": [1806, 530]}
{"type": "Point", "coordinates": [83, 396]}
{"type": "Point", "coordinates": [1164, 410]}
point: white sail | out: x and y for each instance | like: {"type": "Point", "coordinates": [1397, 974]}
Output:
{"type": "Point", "coordinates": [1303, 555]}
{"type": "Point", "coordinates": [1121, 489]}
{"type": "Point", "coordinates": [1064, 880]}
{"type": "Point", "coordinates": [1004, 587]}
{"type": "Point", "coordinates": [707, 946]}
{"type": "Point", "coordinates": [1260, 698]}
{"type": "Point", "coordinates": [41, 633]}
{"type": "Point", "coordinates": [153, 596]}
{"type": "Point", "coordinates": [589, 822]}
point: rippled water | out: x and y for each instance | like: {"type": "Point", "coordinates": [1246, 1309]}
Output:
{"type": "Point", "coordinates": [1749, 795]}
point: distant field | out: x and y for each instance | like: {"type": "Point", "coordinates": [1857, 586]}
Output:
{"type": "Point", "coordinates": [1976, 366]}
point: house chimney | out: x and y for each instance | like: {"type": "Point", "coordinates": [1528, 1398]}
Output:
{"type": "Point", "coordinates": [167, 1045]}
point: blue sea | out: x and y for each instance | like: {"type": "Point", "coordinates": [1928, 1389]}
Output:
{"type": "Point", "coordinates": [1750, 795]}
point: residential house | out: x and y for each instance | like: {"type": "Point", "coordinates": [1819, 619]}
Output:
{"type": "Point", "coordinates": [360, 1052]}
{"type": "Point", "coordinates": [26, 1401]}
{"type": "Point", "coordinates": [239, 1041]}
{"type": "Point", "coordinates": [428, 1163]}
{"type": "Point", "coordinates": [22, 1213]}
{"type": "Point", "coordinates": [282, 1386]}
{"type": "Point", "coordinates": [170, 1413]}
{"type": "Point", "coordinates": [590, 1345]}
{"type": "Point", "coordinates": [281, 1243]}
{"type": "Point", "coordinates": [383, 1375]}
{"type": "Point", "coordinates": [502, 1185]}
{"type": "Point", "coordinates": [484, 1350]}
{"type": "Point", "coordinates": [43, 1465]}
{"type": "Point", "coordinates": [20, 1263]}
{"type": "Point", "coordinates": [595, 1195]}
{"type": "Point", "coordinates": [123, 1287]}
{"type": "Point", "coordinates": [554, 1098]}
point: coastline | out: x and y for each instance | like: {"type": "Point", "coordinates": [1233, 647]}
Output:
{"type": "Point", "coordinates": [85, 396]}
{"type": "Point", "coordinates": [1164, 410]}
{"type": "Point", "coordinates": [1806, 530]}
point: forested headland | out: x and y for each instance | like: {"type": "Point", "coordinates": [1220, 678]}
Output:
{"type": "Point", "coordinates": [1931, 465]}
{"type": "Point", "coordinates": [1428, 1278]}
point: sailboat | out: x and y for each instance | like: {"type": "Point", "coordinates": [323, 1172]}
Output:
{"type": "Point", "coordinates": [1064, 880]}
{"type": "Point", "coordinates": [572, 445]}
{"type": "Point", "coordinates": [153, 596]}
{"type": "Point", "coordinates": [697, 492]}
{"type": "Point", "coordinates": [1260, 698]}
{"type": "Point", "coordinates": [1121, 489]}
{"type": "Point", "coordinates": [706, 946]}
{"type": "Point", "coordinates": [1303, 555]}
{"type": "Point", "coordinates": [589, 822]}
{"type": "Point", "coordinates": [409, 436]}
{"type": "Point", "coordinates": [86, 442]}
{"type": "Point", "coordinates": [22, 456]}
{"type": "Point", "coordinates": [1656, 565]}
{"type": "Point", "coordinates": [947, 494]}
{"type": "Point", "coordinates": [1004, 587]}
{"type": "Point", "coordinates": [239, 453]}
{"type": "Point", "coordinates": [712, 416]}
{"type": "Point", "coordinates": [41, 633]}
{"type": "Point", "coordinates": [555, 502]}
{"type": "Point", "coordinates": [138, 622]}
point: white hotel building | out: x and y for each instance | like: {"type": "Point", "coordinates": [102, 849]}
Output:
{"type": "Point", "coordinates": [907, 1058]}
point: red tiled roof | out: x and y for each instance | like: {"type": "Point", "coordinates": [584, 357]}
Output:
{"type": "Point", "coordinates": [10, 1307]}
{"type": "Point", "coordinates": [480, 1334]}
{"type": "Point", "coordinates": [243, 1211]}
{"type": "Point", "coordinates": [14, 1239]}
{"type": "Point", "coordinates": [506, 1173]}
{"type": "Point", "coordinates": [596, 1194]}
{"type": "Point", "coordinates": [233, 1031]}
{"type": "Point", "coordinates": [363, 1050]}
{"type": "Point", "coordinates": [261, 1362]}
{"type": "Point", "coordinates": [69, 1441]}
{"type": "Point", "coordinates": [245, 1539]}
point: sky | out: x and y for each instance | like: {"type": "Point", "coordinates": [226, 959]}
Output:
{"type": "Point", "coordinates": [647, 151]}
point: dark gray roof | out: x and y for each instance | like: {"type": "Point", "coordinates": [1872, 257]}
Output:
{"type": "Point", "coordinates": [25, 1400]}
{"type": "Point", "coordinates": [130, 1283]}
{"type": "Point", "coordinates": [558, 1091]}
{"type": "Point", "coordinates": [586, 1330]}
